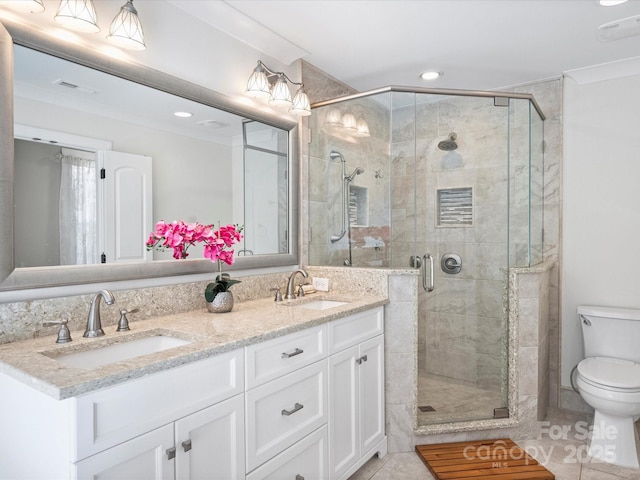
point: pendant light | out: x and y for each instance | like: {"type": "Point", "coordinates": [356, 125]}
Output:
{"type": "Point", "coordinates": [79, 15]}
{"type": "Point", "coordinates": [29, 6]}
{"type": "Point", "coordinates": [126, 29]}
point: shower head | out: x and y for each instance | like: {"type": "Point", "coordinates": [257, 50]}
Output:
{"type": "Point", "coordinates": [449, 144]}
{"type": "Point", "coordinates": [357, 171]}
{"type": "Point", "coordinates": [333, 155]}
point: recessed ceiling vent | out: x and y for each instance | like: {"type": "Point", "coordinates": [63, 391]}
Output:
{"type": "Point", "coordinates": [626, 27]}
{"type": "Point", "coordinates": [75, 87]}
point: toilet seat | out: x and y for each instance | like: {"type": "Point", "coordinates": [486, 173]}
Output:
{"type": "Point", "coordinates": [611, 373]}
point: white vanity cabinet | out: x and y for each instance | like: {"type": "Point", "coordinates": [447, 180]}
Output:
{"type": "Point", "coordinates": [286, 403]}
{"type": "Point", "coordinates": [356, 392]}
{"type": "Point", "coordinates": [206, 445]}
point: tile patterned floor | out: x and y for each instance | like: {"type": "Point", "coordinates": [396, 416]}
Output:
{"type": "Point", "coordinates": [449, 397]}
{"type": "Point", "coordinates": [564, 455]}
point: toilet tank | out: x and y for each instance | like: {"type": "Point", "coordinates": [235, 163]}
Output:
{"type": "Point", "coordinates": [610, 332]}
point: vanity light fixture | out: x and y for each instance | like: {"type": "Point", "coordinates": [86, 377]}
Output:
{"type": "Point", "coordinates": [30, 6]}
{"type": "Point", "coordinates": [79, 15]}
{"type": "Point", "coordinates": [265, 83]}
{"type": "Point", "coordinates": [346, 123]}
{"type": "Point", "coordinates": [126, 29]}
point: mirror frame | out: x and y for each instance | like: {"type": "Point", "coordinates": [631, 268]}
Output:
{"type": "Point", "coordinates": [12, 278]}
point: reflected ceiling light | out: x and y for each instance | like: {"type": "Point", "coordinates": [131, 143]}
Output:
{"type": "Point", "coordinates": [30, 6]}
{"type": "Point", "coordinates": [431, 75]}
{"type": "Point", "coordinates": [611, 3]}
{"type": "Point", "coordinates": [183, 114]}
{"type": "Point", "coordinates": [79, 15]}
{"type": "Point", "coordinates": [126, 29]}
{"type": "Point", "coordinates": [265, 83]}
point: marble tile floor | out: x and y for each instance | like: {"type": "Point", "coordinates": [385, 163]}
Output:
{"type": "Point", "coordinates": [454, 400]}
{"type": "Point", "coordinates": [565, 455]}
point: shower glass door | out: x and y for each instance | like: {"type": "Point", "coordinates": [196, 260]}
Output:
{"type": "Point", "coordinates": [452, 153]}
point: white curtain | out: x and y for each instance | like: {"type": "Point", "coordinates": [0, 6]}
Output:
{"type": "Point", "coordinates": [78, 210]}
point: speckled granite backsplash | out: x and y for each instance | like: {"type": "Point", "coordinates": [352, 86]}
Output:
{"type": "Point", "coordinates": [23, 320]}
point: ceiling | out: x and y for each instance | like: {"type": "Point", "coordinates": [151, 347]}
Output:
{"type": "Point", "coordinates": [478, 44]}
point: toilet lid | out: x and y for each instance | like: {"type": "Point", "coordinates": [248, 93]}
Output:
{"type": "Point", "coordinates": [611, 371]}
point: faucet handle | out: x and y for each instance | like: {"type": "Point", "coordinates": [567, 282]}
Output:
{"type": "Point", "coordinates": [300, 291]}
{"type": "Point", "coordinates": [64, 335]}
{"type": "Point", "coordinates": [278, 297]}
{"type": "Point", "coordinates": [123, 323]}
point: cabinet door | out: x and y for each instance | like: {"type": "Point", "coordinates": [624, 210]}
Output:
{"type": "Point", "coordinates": [143, 457]}
{"type": "Point", "coordinates": [371, 392]}
{"type": "Point", "coordinates": [343, 411]}
{"type": "Point", "coordinates": [210, 443]}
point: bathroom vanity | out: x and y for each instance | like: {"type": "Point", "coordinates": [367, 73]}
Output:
{"type": "Point", "coordinates": [294, 389]}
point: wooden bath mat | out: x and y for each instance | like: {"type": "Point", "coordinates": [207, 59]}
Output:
{"type": "Point", "coordinates": [499, 459]}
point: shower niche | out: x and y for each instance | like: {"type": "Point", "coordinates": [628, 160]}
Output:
{"type": "Point", "coordinates": [358, 206]}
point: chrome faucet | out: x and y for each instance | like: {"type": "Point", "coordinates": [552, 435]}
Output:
{"type": "Point", "coordinates": [291, 283]}
{"type": "Point", "coordinates": [94, 326]}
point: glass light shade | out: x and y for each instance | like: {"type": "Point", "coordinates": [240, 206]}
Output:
{"type": "Point", "coordinates": [79, 15]}
{"type": "Point", "coordinates": [349, 122]}
{"type": "Point", "coordinates": [362, 127]}
{"type": "Point", "coordinates": [30, 6]}
{"type": "Point", "coordinates": [258, 84]}
{"type": "Point", "coordinates": [280, 94]}
{"type": "Point", "coordinates": [126, 29]}
{"type": "Point", "coordinates": [301, 104]}
{"type": "Point", "coordinates": [334, 118]}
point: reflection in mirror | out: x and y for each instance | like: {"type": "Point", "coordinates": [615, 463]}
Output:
{"type": "Point", "coordinates": [99, 160]}
{"type": "Point", "coordinates": [192, 169]}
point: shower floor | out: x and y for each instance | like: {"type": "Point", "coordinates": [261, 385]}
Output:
{"type": "Point", "coordinates": [454, 400]}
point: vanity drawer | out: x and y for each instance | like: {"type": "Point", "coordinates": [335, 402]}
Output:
{"type": "Point", "coordinates": [283, 411]}
{"type": "Point", "coordinates": [112, 415]}
{"type": "Point", "coordinates": [354, 329]}
{"type": "Point", "coordinates": [306, 459]}
{"type": "Point", "coordinates": [274, 358]}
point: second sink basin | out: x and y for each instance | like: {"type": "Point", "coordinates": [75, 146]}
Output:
{"type": "Point", "coordinates": [120, 351]}
{"type": "Point", "coordinates": [321, 304]}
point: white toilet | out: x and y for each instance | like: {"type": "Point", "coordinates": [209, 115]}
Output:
{"type": "Point", "coordinates": [608, 379]}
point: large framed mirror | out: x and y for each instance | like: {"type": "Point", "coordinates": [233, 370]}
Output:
{"type": "Point", "coordinates": [79, 120]}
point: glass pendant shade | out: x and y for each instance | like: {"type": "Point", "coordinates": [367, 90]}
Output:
{"type": "Point", "coordinates": [126, 29]}
{"type": "Point", "coordinates": [79, 15]}
{"type": "Point", "coordinates": [362, 127]}
{"type": "Point", "coordinates": [334, 118]}
{"type": "Point", "coordinates": [301, 104]}
{"type": "Point", "coordinates": [280, 94]}
{"type": "Point", "coordinates": [349, 122]}
{"type": "Point", "coordinates": [30, 6]}
{"type": "Point", "coordinates": [258, 84]}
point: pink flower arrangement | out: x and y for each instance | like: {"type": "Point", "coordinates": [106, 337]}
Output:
{"type": "Point", "coordinates": [179, 236]}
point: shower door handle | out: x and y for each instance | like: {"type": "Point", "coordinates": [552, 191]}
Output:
{"type": "Point", "coordinates": [428, 287]}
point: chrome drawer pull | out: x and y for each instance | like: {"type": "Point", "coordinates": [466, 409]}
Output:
{"type": "Point", "coordinates": [297, 351]}
{"type": "Point", "coordinates": [296, 407]}
{"type": "Point", "coordinates": [171, 453]}
{"type": "Point", "coordinates": [361, 359]}
{"type": "Point", "coordinates": [299, 477]}
{"type": "Point", "coordinates": [186, 445]}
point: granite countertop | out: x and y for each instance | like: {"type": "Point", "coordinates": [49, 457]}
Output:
{"type": "Point", "coordinates": [33, 361]}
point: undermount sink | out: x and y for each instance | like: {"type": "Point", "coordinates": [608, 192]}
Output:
{"type": "Point", "coordinates": [321, 304]}
{"type": "Point", "coordinates": [120, 351]}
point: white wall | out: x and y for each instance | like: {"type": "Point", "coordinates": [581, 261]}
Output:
{"type": "Point", "coordinates": [601, 203]}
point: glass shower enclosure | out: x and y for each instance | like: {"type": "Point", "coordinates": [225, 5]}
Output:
{"type": "Point", "coordinates": [449, 183]}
